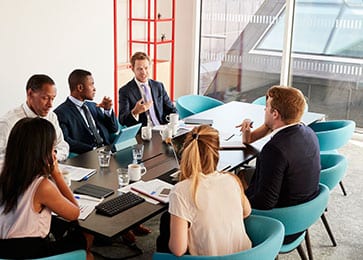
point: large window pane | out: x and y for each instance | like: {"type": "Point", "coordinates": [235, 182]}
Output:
{"type": "Point", "coordinates": [229, 31]}
{"type": "Point", "coordinates": [327, 53]}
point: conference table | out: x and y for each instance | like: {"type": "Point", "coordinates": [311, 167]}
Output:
{"type": "Point", "coordinates": [159, 159]}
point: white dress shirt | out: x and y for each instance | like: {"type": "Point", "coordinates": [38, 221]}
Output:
{"type": "Point", "coordinates": [8, 120]}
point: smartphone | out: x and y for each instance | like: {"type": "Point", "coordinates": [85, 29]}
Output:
{"type": "Point", "coordinates": [164, 192]}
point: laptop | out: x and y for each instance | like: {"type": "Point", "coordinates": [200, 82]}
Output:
{"type": "Point", "coordinates": [126, 138]}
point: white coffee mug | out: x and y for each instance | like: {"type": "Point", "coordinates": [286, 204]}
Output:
{"type": "Point", "coordinates": [146, 133]}
{"type": "Point", "coordinates": [136, 171]}
{"type": "Point", "coordinates": [166, 133]}
{"type": "Point", "coordinates": [172, 118]}
{"type": "Point", "coordinates": [174, 128]}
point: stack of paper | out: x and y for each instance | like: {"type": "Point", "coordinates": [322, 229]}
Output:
{"type": "Point", "coordinates": [153, 189]}
{"type": "Point", "coordinates": [76, 173]}
{"type": "Point", "coordinates": [86, 204]}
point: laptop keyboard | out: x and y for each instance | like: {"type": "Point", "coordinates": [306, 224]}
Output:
{"type": "Point", "coordinates": [118, 204]}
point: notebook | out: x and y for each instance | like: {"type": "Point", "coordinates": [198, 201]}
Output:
{"type": "Point", "coordinates": [126, 138]}
{"type": "Point", "coordinates": [198, 121]}
{"type": "Point", "coordinates": [94, 191]}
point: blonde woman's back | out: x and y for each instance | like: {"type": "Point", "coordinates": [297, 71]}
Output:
{"type": "Point", "coordinates": [216, 224]}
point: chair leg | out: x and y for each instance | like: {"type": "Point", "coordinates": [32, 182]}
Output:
{"type": "Point", "coordinates": [342, 188]}
{"type": "Point", "coordinates": [327, 227]}
{"type": "Point", "coordinates": [308, 245]}
{"type": "Point", "coordinates": [302, 255]}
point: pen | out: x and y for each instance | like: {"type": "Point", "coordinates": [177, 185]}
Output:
{"type": "Point", "coordinates": [88, 176]}
{"type": "Point", "coordinates": [228, 138]}
{"type": "Point", "coordinates": [86, 198]}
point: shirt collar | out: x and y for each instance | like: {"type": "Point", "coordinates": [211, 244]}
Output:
{"type": "Point", "coordinates": [141, 83]}
{"type": "Point", "coordinates": [274, 132]}
{"type": "Point", "coordinates": [28, 112]}
{"type": "Point", "coordinates": [75, 101]}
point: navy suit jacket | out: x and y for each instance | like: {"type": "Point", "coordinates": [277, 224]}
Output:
{"type": "Point", "coordinates": [75, 130]}
{"type": "Point", "coordinates": [130, 94]}
{"type": "Point", "coordinates": [287, 169]}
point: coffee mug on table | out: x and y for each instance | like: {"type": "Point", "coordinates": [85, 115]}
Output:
{"type": "Point", "coordinates": [174, 128]}
{"type": "Point", "coordinates": [172, 118]}
{"type": "Point", "coordinates": [146, 133]}
{"type": "Point", "coordinates": [166, 133]}
{"type": "Point", "coordinates": [136, 171]}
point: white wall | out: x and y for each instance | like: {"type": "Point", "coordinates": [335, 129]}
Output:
{"type": "Point", "coordinates": [54, 37]}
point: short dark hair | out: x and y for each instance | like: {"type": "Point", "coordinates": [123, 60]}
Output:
{"type": "Point", "coordinates": [35, 137]}
{"type": "Point", "coordinates": [139, 56]}
{"type": "Point", "coordinates": [78, 76]}
{"type": "Point", "coordinates": [37, 81]}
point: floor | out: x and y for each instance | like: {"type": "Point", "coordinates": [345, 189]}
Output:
{"type": "Point", "coordinates": [345, 216]}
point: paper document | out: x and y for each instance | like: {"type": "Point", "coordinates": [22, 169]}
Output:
{"type": "Point", "coordinates": [76, 173]}
{"type": "Point", "coordinates": [230, 141]}
{"type": "Point", "coordinates": [153, 189]}
{"type": "Point", "coordinates": [86, 204]}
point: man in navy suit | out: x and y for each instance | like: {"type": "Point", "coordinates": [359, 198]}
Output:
{"type": "Point", "coordinates": [134, 104]}
{"type": "Point", "coordinates": [288, 166]}
{"type": "Point", "coordinates": [83, 132]}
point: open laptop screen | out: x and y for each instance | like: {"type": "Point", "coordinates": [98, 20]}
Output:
{"type": "Point", "coordinates": [126, 138]}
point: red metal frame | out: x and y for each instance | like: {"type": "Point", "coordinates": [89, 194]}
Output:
{"type": "Point", "coordinates": [115, 60]}
{"type": "Point", "coordinates": [155, 42]}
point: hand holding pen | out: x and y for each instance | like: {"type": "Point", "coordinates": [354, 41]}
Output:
{"type": "Point", "coordinates": [245, 126]}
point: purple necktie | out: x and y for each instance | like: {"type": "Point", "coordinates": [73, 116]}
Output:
{"type": "Point", "coordinates": [148, 98]}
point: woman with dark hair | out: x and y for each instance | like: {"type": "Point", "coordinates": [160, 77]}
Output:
{"type": "Point", "coordinates": [206, 207]}
{"type": "Point", "coordinates": [31, 188]}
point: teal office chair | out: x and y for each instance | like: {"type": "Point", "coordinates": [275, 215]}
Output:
{"type": "Point", "coordinates": [260, 101]}
{"type": "Point", "coordinates": [265, 233]}
{"type": "Point", "coordinates": [333, 167]}
{"type": "Point", "coordinates": [332, 135]}
{"type": "Point", "coordinates": [191, 104]}
{"type": "Point", "coordinates": [299, 218]}
{"type": "Point", "coordinates": [73, 255]}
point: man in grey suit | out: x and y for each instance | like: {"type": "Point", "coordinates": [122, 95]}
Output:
{"type": "Point", "coordinates": [143, 100]}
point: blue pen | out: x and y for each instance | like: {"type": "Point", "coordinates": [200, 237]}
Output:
{"type": "Point", "coordinates": [77, 197]}
{"type": "Point", "coordinates": [153, 192]}
{"type": "Point", "coordinates": [88, 176]}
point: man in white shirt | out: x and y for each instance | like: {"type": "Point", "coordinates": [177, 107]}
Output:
{"type": "Point", "coordinates": [41, 91]}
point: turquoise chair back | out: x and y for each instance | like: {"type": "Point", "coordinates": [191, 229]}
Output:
{"type": "Point", "coordinates": [260, 101]}
{"type": "Point", "coordinates": [265, 233]}
{"type": "Point", "coordinates": [73, 255]}
{"type": "Point", "coordinates": [333, 167]}
{"type": "Point", "coordinates": [333, 134]}
{"type": "Point", "coordinates": [298, 218]}
{"type": "Point", "coordinates": [191, 104]}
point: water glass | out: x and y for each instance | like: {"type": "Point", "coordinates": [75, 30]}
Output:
{"type": "Point", "coordinates": [138, 152]}
{"type": "Point", "coordinates": [104, 158]}
{"type": "Point", "coordinates": [123, 177]}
